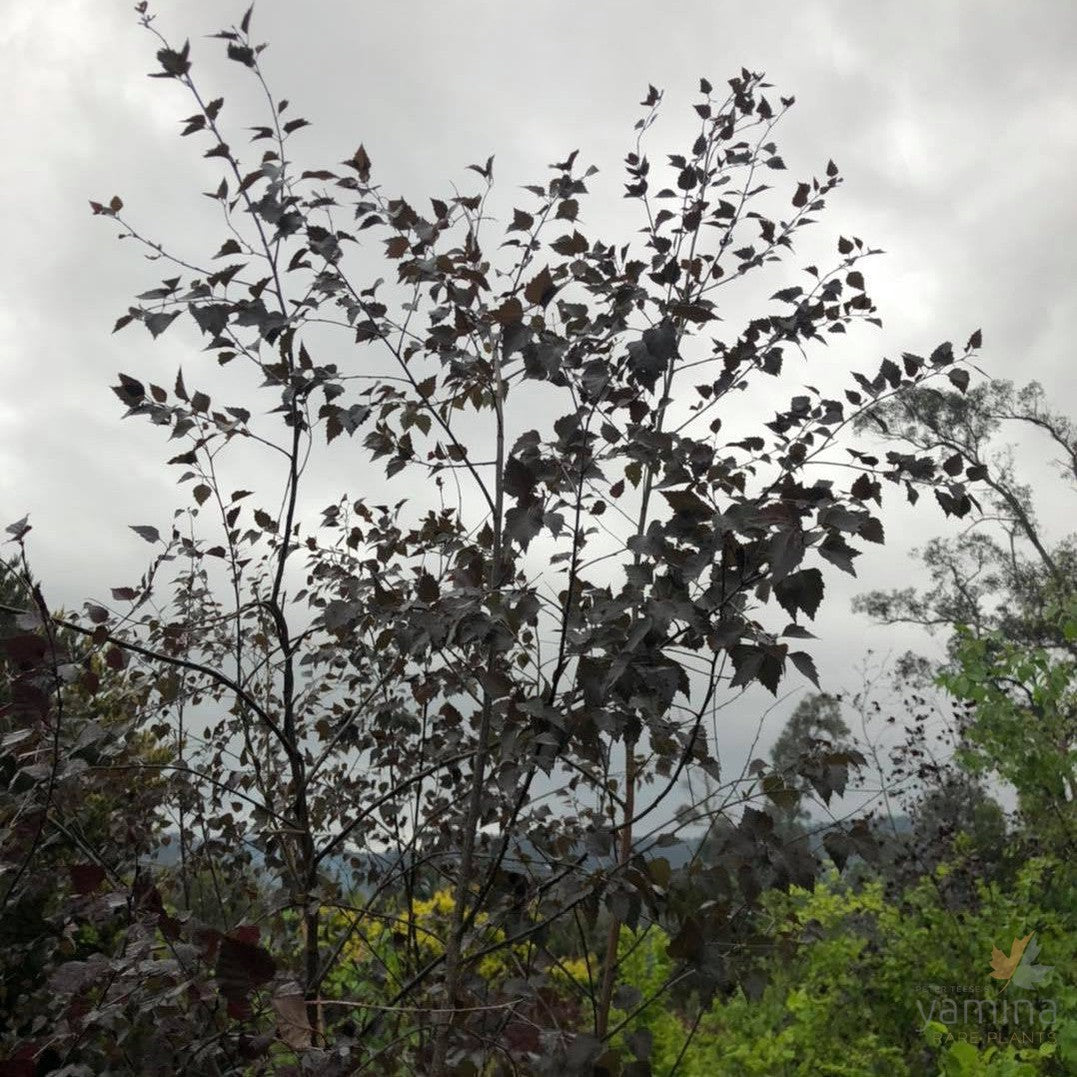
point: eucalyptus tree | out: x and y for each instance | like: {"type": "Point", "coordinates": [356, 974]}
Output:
{"type": "Point", "coordinates": [1004, 590]}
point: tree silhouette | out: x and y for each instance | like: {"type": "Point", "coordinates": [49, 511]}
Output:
{"type": "Point", "coordinates": [499, 662]}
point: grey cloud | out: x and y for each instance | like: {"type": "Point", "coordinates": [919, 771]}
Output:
{"type": "Point", "coordinates": [954, 125]}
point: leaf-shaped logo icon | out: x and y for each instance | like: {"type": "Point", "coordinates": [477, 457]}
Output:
{"type": "Point", "coordinates": [1018, 966]}
{"type": "Point", "coordinates": [1028, 973]}
{"type": "Point", "coordinates": [1003, 966]}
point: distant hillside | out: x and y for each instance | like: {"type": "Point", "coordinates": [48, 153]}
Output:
{"type": "Point", "coordinates": [678, 853]}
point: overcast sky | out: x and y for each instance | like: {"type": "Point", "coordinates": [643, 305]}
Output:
{"type": "Point", "coordinates": [954, 124]}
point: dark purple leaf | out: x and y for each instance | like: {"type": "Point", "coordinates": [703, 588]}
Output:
{"type": "Point", "coordinates": [801, 590]}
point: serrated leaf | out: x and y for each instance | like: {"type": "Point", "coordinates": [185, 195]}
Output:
{"type": "Point", "coordinates": [567, 209]}
{"type": "Point", "coordinates": [510, 312]}
{"type": "Point", "coordinates": [243, 54]}
{"type": "Point", "coordinates": [540, 288]}
{"type": "Point", "coordinates": [18, 528]}
{"type": "Point", "coordinates": [426, 589]}
{"type": "Point", "coordinates": [570, 245]}
{"type": "Point", "coordinates": [85, 878]}
{"type": "Point", "coordinates": [959, 378]}
{"type": "Point", "coordinates": [242, 966]}
{"type": "Point", "coordinates": [805, 664]}
{"type": "Point", "coordinates": [159, 321]}
{"type": "Point", "coordinates": [130, 390]}
{"type": "Point", "coordinates": [953, 465]}
{"type": "Point", "coordinates": [801, 590]}
{"type": "Point", "coordinates": [838, 847]}
{"type": "Point", "coordinates": [521, 221]}
{"type": "Point", "coordinates": [687, 503]}
{"type": "Point", "coordinates": [361, 163]}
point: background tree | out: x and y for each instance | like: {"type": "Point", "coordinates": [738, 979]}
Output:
{"type": "Point", "coordinates": [1005, 591]}
{"type": "Point", "coordinates": [1002, 573]}
{"type": "Point", "coordinates": [815, 728]}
